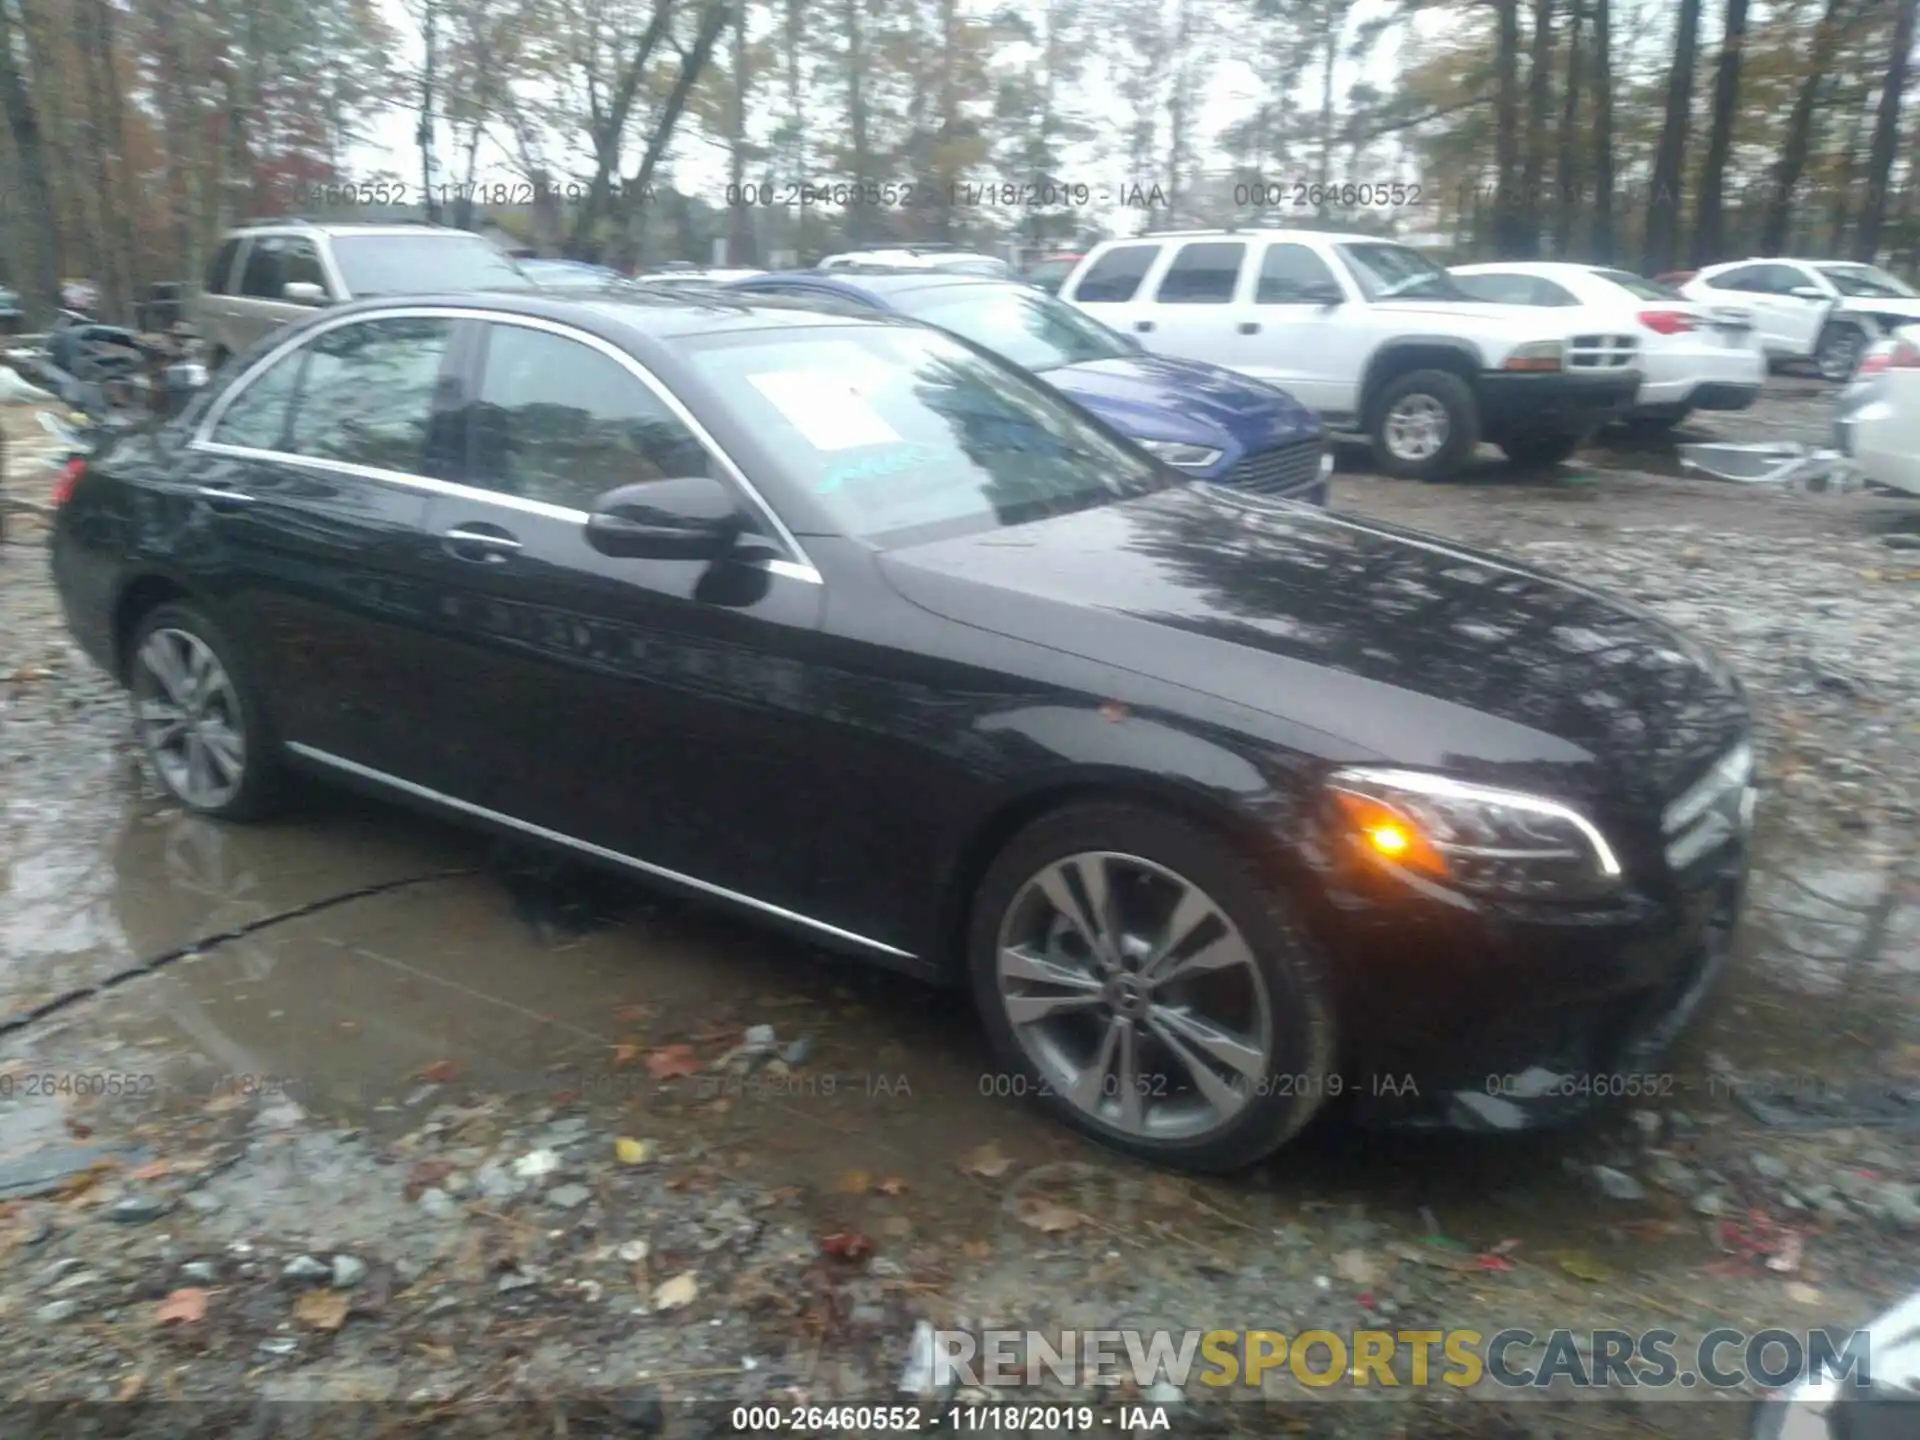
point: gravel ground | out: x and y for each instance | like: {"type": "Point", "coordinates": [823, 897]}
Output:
{"type": "Point", "coordinates": [504, 1265]}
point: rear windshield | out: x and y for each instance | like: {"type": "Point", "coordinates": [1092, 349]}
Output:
{"type": "Point", "coordinates": [426, 264]}
{"type": "Point", "coordinates": [1639, 288]}
{"type": "Point", "coordinates": [905, 434]}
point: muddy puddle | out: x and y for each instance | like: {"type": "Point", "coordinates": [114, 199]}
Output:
{"type": "Point", "coordinates": [483, 972]}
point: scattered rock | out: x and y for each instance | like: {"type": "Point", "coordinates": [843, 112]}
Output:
{"type": "Point", "coordinates": [54, 1311]}
{"type": "Point", "coordinates": [515, 1280]}
{"type": "Point", "coordinates": [136, 1209]}
{"type": "Point", "coordinates": [1165, 1392]}
{"type": "Point", "coordinates": [348, 1271]}
{"type": "Point", "coordinates": [797, 1052]}
{"type": "Point", "coordinates": [440, 1205]}
{"type": "Point", "coordinates": [536, 1164]}
{"type": "Point", "coordinates": [1617, 1184]}
{"type": "Point", "coordinates": [200, 1272]}
{"type": "Point", "coordinates": [759, 1039]}
{"type": "Point", "coordinates": [1712, 1204]}
{"type": "Point", "coordinates": [567, 1197]}
{"type": "Point", "coordinates": [304, 1269]}
{"type": "Point", "coordinates": [1672, 1175]}
{"type": "Point", "coordinates": [1769, 1167]}
{"type": "Point", "coordinates": [279, 1345]}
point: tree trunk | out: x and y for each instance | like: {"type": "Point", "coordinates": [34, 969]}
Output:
{"type": "Point", "coordinates": [1603, 242]}
{"type": "Point", "coordinates": [428, 199]}
{"type": "Point", "coordinates": [128, 262]}
{"type": "Point", "coordinates": [946, 131]}
{"type": "Point", "coordinates": [1709, 235]}
{"type": "Point", "coordinates": [610, 127]}
{"type": "Point", "coordinates": [41, 285]}
{"type": "Point", "coordinates": [739, 212]}
{"type": "Point", "coordinates": [1799, 137]}
{"type": "Point", "coordinates": [1567, 181]}
{"type": "Point", "coordinates": [634, 192]}
{"type": "Point", "coordinates": [1886, 137]}
{"type": "Point", "coordinates": [857, 120]}
{"type": "Point", "coordinates": [110, 274]}
{"type": "Point", "coordinates": [1506, 132]}
{"type": "Point", "coordinates": [1539, 106]}
{"type": "Point", "coordinates": [1329, 56]}
{"type": "Point", "coordinates": [463, 201]}
{"type": "Point", "coordinates": [1661, 248]}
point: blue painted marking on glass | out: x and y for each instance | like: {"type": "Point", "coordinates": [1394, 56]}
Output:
{"type": "Point", "coordinates": [875, 467]}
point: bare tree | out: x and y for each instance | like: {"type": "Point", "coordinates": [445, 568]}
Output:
{"type": "Point", "coordinates": [1886, 137]}
{"type": "Point", "coordinates": [1539, 111]}
{"type": "Point", "coordinates": [1604, 240]}
{"type": "Point", "coordinates": [1709, 239]}
{"type": "Point", "coordinates": [1799, 137]}
{"type": "Point", "coordinates": [1567, 180]}
{"type": "Point", "coordinates": [29, 147]}
{"type": "Point", "coordinates": [1664, 203]}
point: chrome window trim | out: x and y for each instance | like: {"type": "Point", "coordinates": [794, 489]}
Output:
{"type": "Point", "coordinates": [587, 847]}
{"type": "Point", "coordinates": [799, 567]}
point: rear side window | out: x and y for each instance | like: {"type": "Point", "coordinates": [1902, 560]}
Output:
{"type": "Point", "coordinates": [559, 422]}
{"type": "Point", "coordinates": [1639, 287]}
{"type": "Point", "coordinates": [1203, 272]}
{"type": "Point", "coordinates": [220, 268]}
{"type": "Point", "coordinates": [1293, 275]}
{"type": "Point", "coordinates": [1511, 289]}
{"type": "Point", "coordinates": [1745, 277]}
{"type": "Point", "coordinates": [368, 392]}
{"type": "Point", "coordinates": [1115, 277]}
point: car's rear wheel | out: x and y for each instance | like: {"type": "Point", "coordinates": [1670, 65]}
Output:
{"type": "Point", "coordinates": [1540, 451]}
{"type": "Point", "coordinates": [1838, 354]}
{"type": "Point", "coordinates": [1425, 425]}
{"type": "Point", "coordinates": [1142, 980]}
{"type": "Point", "coordinates": [199, 717]}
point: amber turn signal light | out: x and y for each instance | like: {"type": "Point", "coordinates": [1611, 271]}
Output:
{"type": "Point", "coordinates": [1383, 833]}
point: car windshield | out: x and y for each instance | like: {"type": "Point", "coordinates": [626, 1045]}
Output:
{"type": "Point", "coordinates": [424, 264]}
{"type": "Point", "coordinates": [1394, 272]}
{"type": "Point", "coordinates": [1640, 289]}
{"type": "Point", "coordinates": [570, 277]}
{"type": "Point", "coordinates": [1867, 282]}
{"type": "Point", "coordinates": [1027, 327]}
{"type": "Point", "coordinates": [902, 434]}
{"type": "Point", "coordinates": [976, 265]}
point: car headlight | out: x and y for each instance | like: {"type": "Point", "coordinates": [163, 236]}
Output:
{"type": "Point", "coordinates": [1179, 453]}
{"type": "Point", "coordinates": [1540, 355]}
{"type": "Point", "coordinates": [1476, 839]}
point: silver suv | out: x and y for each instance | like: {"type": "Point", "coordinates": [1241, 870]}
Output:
{"type": "Point", "coordinates": [269, 273]}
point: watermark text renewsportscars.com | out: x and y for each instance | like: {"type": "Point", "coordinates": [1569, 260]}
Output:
{"type": "Point", "coordinates": [1513, 1360]}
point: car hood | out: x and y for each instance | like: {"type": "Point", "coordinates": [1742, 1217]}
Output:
{"type": "Point", "coordinates": [1162, 398]}
{"type": "Point", "coordinates": [1392, 644]}
{"type": "Point", "coordinates": [1906, 308]}
{"type": "Point", "coordinates": [1514, 322]}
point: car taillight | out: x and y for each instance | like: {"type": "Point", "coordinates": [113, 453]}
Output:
{"type": "Point", "coordinates": [1906, 356]}
{"type": "Point", "coordinates": [1668, 322]}
{"type": "Point", "coordinates": [1874, 364]}
{"type": "Point", "coordinates": [69, 477]}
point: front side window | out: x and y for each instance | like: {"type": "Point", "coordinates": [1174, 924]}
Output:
{"type": "Point", "coordinates": [1499, 288]}
{"type": "Point", "coordinates": [424, 264]}
{"type": "Point", "coordinates": [1203, 272]}
{"type": "Point", "coordinates": [1115, 277]}
{"type": "Point", "coordinates": [1741, 277]}
{"type": "Point", "coordinates": [1867, 282]}
{"type": "Point", "coordinates": [902, 433]}
{"type": "Point", "coordinates": [1028, 328]}
{"type": "Point", "coordinates": [1395, 272]}
{"type": "Point", "coordinates": [220, 268]}
{"type": "Point", "coordinates": [1294, 275]}
{"type": "Point", "coordinates": [367, 395]}
{"type": "Point", "coordinates": [257, 417]}
{"type": "Point", "coordinates": [560, 422]}
{"type": "Point", "coordinates": [1639, 287]}
{"type": "Point", "coordinates": [265, 277]}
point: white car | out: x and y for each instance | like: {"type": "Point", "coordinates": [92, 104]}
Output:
{"type": "Point", "coordinates": [954, 262]}
{"type": "Point", "coordinates": [1373, 335]}
{"type": "Point", "coordinates": [1692, 356]}
{"type": "Point", "coordinates": [1878, 424]}
{"type": "Point", "coordinates": [1826, 311]}
{"type": "Point", "coordinates": [695, 277]}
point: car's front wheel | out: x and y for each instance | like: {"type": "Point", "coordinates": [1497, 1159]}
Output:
{"type": "Point", "coordinates": [1147, 985]}
{"type": "Point", "coordinates": [199, 717]}
{"type": "Point", "coordinates": [1840, 349]}
{"type": "Point", "coordinates": [1425, 425]}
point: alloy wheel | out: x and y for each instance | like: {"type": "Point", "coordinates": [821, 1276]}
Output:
{"type": "Point", "coordinates": [1839, 354]}
{"type": "Point", "coordinates": [1134, 996]}
{"type": "Point", "coordinates": [1417, 427]}
{"type": "Point", "coordinates": [188, 715]}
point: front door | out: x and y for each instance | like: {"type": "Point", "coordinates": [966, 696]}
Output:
{"type": "Point", "coordinates": [631, 704]}
{"type": "Point", "coordinates": [1195, 312]}
{"type": "Point", "coordinates": [311, 480]}
{"type": "Point", "coordinates": [273, 262]}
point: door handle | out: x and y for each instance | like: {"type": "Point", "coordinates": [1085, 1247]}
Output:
{"type": "Point", "coordinates": [223, 497]}
{"type": "Point", "coordinates": [1143, 326]}
{"type": "Point", "coordinates": [1249, 327]}
{"type": "Point", "coordinates": [490, 545]}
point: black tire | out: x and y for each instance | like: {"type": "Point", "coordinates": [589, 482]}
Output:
{"type": "Point", "coordinates": [1540, 451]}
{"type": "Point", "coordinates": [261, 786]}
{"type": "Point", "coordinates": [1301, 1036]}
{"type": "Point", "coordinates": [1839, 351]}
{"type": "Point", "coordinates": [1454, 396]}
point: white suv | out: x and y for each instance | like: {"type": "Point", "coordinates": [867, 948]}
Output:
{"type": "Point", "coordinates": [1370, 333]}
{"type": "Point", "coordinates": [1826, 311]}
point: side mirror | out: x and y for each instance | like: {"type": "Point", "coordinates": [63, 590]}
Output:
{"type": "Point", "coordinates": [304, 292]}
{"type": "Point", "coordinates": [695, 518]}
{"type": "Point", "coordinates": [1808, 292]}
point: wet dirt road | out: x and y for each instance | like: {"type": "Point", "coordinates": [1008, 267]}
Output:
{"type": "Point", "coordinates": [374, 967]}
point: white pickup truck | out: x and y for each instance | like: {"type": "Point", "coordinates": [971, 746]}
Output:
{"type": "Point", "coordinates": [1371, 334]}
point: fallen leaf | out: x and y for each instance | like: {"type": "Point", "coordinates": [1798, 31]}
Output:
{"type": "Point", "coordinates": [847, 1245]}
{"type": "Point", "coordinates": [854, 1182]}
{"type": "Point", "coordinates": [1802, 1293]}
{"type": "Point", "coordinates": [987, 1162]}
{"type": "Point", "coordinates": [440, 1072]}
{"type": "Point", "coordinates": [896, 1226]}
{"type": "Point", "coordinates": [187, 1306]}
{"type": "Point", "coordinates": [1788, 1259]}
{"type": "Point", "coordinates": [1050, 1218]}
{"type": "Point", "coordinates": [626, 1054]}
{"type": "Point", "coordinates": [632, 1152]}
{"type": "Point", "coordinates": [676, 1293]}
{"type": "Point", "coordinates": [892, 1185]}
{"type": "Point", "coordinates": [322, 1309]}
{"type": "Point", "coordinates": [131, 1387]}
{"type": "Point", "coordinates": [152, 1170]}
{"type": "Point", "coordinates": [1583, 1266]}
{"type": "Point", "coordinates": [673, 1062]}
{"type": "Point", "coordinates": [977, 1250]}
{"type": "Point", "coordinates": [1356, 1266]}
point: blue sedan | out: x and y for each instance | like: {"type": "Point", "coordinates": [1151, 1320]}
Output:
{"type": "Point", "coordinates": [1208, 421]}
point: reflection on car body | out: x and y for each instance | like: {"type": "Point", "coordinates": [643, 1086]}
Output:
{"type": "Point", "coordinates": [1190, 787]}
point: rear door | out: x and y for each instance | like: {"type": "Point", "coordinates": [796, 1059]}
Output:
{"type": "Point", "coordinates": [631, 704]}
{"type": "Point", "coordinates": [1112, 288]}
{"type": "Point", "coordinates": [1197, 311]}
{"type": "Point", "coordinates": [312, 478]}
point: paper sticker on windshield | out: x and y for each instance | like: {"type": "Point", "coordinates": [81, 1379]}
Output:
{"type": "Point", "coordinates": [825, 409]}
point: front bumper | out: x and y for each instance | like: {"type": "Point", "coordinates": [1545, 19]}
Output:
{"type": "Point", "coordinates": [1564, 403]}
{"type": "Point", "coordinates": [1300, 470]}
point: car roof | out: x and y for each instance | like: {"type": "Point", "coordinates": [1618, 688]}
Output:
{"type": "Point", "coordinates": [880, 284]}
{"type": "Point", "coordinates": [1338, 237]}
{"type": "Point", "coordinates": [1544, 268]}
{"type": "Point", "coordinates": [654, 314]}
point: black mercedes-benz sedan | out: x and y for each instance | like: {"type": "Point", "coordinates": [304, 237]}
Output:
{"type": "Point", "coordinates": [1222, 807]}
